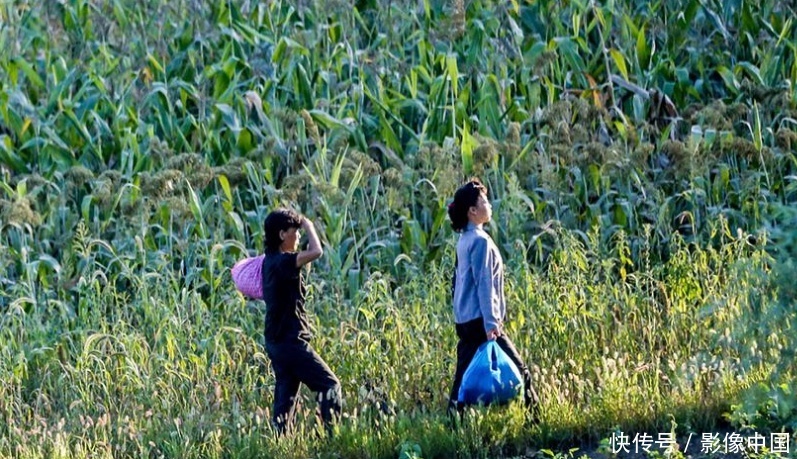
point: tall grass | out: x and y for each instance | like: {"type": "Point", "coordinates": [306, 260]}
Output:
{"type": "Point", "coordinates": [163, 369]}
{"type": "Point", "coordinates": [644, 190]}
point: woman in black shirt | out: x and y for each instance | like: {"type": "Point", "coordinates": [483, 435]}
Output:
{"type": "Point", "coordinates": [287, 333]}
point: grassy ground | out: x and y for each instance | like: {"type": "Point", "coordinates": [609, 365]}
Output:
{"type": "Point", "coordinates": [641, 164]}
{"type": "Point", "coordinates": [162, 369]}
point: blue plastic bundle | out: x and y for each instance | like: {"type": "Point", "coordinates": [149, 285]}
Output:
{"type": "Point", "coordinates": [491, 377]}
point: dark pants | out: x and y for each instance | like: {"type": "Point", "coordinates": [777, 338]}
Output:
{"type": "Point", "coordinates": [471, 336]}
{"type": "Point", "coordinates": [296, 362]}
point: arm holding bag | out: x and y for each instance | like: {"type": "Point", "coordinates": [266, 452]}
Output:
{"type": "Point", "coordinates": [248, 278]}
{"type": "Point", "coordinates": [491, 377]}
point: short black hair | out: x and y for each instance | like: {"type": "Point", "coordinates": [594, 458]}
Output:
{"type": "Point", "coordinates": [281, 219]}
{"type": "Point", "coordinates": [466, 197]}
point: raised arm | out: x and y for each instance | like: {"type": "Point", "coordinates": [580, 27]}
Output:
{"type": "Point", "coordinates": [314, 250]}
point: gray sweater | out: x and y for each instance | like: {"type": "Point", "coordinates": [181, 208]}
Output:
{"type": "Point", "coordinates": [479, 287]}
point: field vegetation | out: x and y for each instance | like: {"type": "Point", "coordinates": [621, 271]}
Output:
{"type": "Point", "coordinates": [641, 159]}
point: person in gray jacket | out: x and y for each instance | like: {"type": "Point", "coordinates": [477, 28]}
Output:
{"type": "Point", "coordinates": [478, 289]}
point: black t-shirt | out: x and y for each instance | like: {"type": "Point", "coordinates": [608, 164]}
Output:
{"type": "Point", "coordinates": [284, 293]}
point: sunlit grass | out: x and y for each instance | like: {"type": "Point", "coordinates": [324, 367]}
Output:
{"type": "Point", "coordinates": [170, 372]}
{"type": "Point", "coordinates": [643, 185]}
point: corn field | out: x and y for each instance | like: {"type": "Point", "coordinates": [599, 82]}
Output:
{"type": "Point", "coordinates": [641, 159]}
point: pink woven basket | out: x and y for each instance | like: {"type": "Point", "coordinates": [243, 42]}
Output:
{"type": "Point", "coordinates": [248, 278]}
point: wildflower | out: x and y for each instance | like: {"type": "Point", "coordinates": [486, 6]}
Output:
{"type": "Point", "coordinates": [743, 148]}
{"type": "Point", "coordinates": [457, 19]}
{"type": "Point", "coordinates": [356, 158]}
{"type": "Point", "coordinates": [393, 177]}
{"type": "Point", "coordinates": [78, 175]}
{"type": "Point", "coordinates": [194, 168]}
{"type": "Point", "coordinates": [159, 150]}
{"type": "Point", "coordinates": [161, 184]}
{"type": "Point", "coordinates": [234, 170]}
{"type": "Point", "coordinates": [103, 192]}
{"type": "Point", "coordinates": [19, 212]}
{"type": "Point", "coordinates": [786, 138]}
{"type": "Point", "coordinates": [178, 207]}
{"type": "Point", "coordinates": [641, 154]}
{"type": "Point", "coordinates": [513, 133]}
{"type": "Point", "coordinates": [294, 187]}
{"type": "Point", "coordinates": [312, 128]}
{"type": "Point", "coordinates": [484, 155]}
{"type": "Point", "coordinates": [715, 116]}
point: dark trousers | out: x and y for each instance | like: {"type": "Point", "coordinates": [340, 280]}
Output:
{"type": "Point", "coordinates": [471, 335]}
{"type": "Point", "coordinates": [296, 362]}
